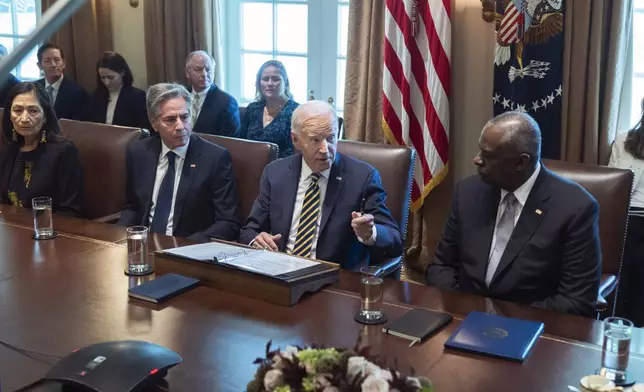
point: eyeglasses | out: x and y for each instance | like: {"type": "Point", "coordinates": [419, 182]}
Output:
{"type": "Point", "coordinates": [54, 61]}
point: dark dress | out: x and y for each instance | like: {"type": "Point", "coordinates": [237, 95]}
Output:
{"type": "Point", "coordinates": [53, 169]}
{"type": "Point", "coordinates": [277, 131]}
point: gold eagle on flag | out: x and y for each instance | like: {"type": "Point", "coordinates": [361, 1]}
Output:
{"type": "Point", "coordinates": [534, 22]}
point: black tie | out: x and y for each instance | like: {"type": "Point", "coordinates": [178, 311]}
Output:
{"type": "Point", "coordinates": [164, 199]}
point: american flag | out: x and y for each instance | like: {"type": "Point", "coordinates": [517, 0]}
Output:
{"type": "Point", "coordinates": [416, 86]}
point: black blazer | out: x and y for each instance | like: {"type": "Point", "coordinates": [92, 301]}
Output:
{"type": "Point", "coordinates": [57, 173]}
{"type": "Point", "coordinates": [553, 259]}
{"type": "Point", "coordinates": [6, 87]}
{"type": "Point", "coordinates": [350, 181]}
{"type": "Point", "coordinates": [206, 203]}
{"type": "Point", "coordinates": [130, 108]}
{"type": "Point", "coordinates": [70, 99]}
{"type": "Point", "coordinates": [219, 114]}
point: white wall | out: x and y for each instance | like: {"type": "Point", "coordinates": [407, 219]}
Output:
{"type": "Point", "coordinates": [472, 81]}
{"type": "Point", "coordinates": [129, 38]}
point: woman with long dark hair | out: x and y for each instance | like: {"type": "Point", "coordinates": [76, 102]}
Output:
{"type": "Point", "coordinates": [268, 119]}
{"type": "Point", "coordinates": [628, 153]}
{"type": "Point", "coordinates": [35, 160]}
{"type": "Point", "coordinates": [115, 100]}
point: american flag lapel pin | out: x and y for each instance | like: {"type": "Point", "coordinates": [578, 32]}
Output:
{"type": "Point", "coordinates": [538, 211]}
{"type": "Point", "coordinates": [193, 165]}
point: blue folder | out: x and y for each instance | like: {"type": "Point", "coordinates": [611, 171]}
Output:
{"type": "Point", "coordinates": [495, 336]}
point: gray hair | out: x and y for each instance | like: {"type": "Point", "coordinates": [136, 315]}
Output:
{"type": "Point", "coordinates": [160, 93]}
{"type": "Point", "coordinates": [201, 53]}
{"type": "Point", "coordinates": [522, 132]}
{"type": "Point", "coordinates": [311, 109]}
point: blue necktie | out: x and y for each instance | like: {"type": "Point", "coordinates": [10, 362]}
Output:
{"type": "Point", "coordinates": [164, 198]}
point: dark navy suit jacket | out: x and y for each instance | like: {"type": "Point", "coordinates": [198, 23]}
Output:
{"type": "Point", "coordinates": [350, 181]}
{"type": "Point", "coordinates": [70, 100]}
{"type": "Point", "coordinates": [219, 114]}
{"type": "Point", "coordinates": [206, 204]}
{"type": "Point", "coordinates": [553, 258]}
{"type": "Point", "coordinates": [130, 108]}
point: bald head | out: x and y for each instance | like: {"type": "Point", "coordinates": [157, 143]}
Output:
{"type": "Point", "coordinates": [510, 150]}
{"type": "Point", "coordinates": [519, 131]}
{"type": "Point", "coordinates": [314, 129]}
{"type": "Point", "coordinates": [200, 68]}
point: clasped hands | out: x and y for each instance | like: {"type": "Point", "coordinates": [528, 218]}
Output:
{"type": "Point", "coordinates": [362, 225]}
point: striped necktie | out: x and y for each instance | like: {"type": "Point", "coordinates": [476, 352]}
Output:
{"type": "Point", "coordinates": [308, 219]}
{"type": "Point", "coordinates": [50, 91]}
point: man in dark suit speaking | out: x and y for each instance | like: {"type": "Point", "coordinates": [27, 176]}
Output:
{"type": "Point", "coordinates": [518, 231]}
{"type": "Point", "coordinates": [213, 110]}
{"type": "Point", "coordinates": [178, 183]}
{"type": "Point", "coordinates": [321, 204]}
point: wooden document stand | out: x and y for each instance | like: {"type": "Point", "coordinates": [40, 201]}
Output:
{"type": "Point", "coordinates": [247, 284]}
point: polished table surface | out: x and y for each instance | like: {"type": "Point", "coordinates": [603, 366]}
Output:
{"type": "Point", "coordinates": [61, 294]}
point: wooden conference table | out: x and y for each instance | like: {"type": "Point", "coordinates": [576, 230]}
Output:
{"type": "Point", "coordinates": [70, 292]}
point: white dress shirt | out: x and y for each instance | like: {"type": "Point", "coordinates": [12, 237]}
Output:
{"type": "Point", "coordinates": [55, 85]}
{"type": "Point", "coordinates": [202, 98]}
{"type": "Point", "coordinates": [162, 168]}
{"type": "Point", "coordinates": [521, 194]}
{"type": "Point", "coordinates": [305, 181]}
{"type": "Point", "coordinates": [111, 106]}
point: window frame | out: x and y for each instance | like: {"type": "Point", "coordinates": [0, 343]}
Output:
{"type": "Point", "coordinates": [637, 76]}
{"type": "Point", "coordinates": [17, 38]}
{"type": "Point", "coordinates": [322, 53]}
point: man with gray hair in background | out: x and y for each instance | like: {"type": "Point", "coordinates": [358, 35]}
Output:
{"type": "Point", "coordinates": [517, 231]}
{"type": "Point", "coordinates": [322, 204]}
{"type": "Point", "coordinates": [178, 183]}
{"type": "Point", "coordinates": [213, 111]}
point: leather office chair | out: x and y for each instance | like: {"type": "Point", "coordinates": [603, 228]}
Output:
{"type": "Point", "coordinates": [612, 189]}
{"type": "Point", "coordinates": [249, 160]}
{"type": "Point", "coordinates": [102, 154]}
{"type": "Point", "coordinates": [396, 167]}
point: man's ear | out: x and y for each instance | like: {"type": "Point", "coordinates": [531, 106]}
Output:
{"type": "Point", "coordinates": [524, 161]}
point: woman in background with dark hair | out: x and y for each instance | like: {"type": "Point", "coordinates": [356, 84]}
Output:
{"type": "Point", "coordinates": [115, 100]}
{"type": "Point", "coordinates": [268, 119]}
{"type": "Point", "coordinates": [35, 160]}
{"type": "Point", "coordinates": [628, 153]}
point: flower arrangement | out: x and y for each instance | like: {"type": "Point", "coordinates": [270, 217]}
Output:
{"type": "Point", "coordinates": [319, 369]}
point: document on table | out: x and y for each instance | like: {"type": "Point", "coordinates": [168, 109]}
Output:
{"type": "Point", "coordinates": [270, 263]}
{"type": "Point", "coordinates": [209, 251]}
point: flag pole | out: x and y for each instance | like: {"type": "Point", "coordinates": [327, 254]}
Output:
{"type": "Point", "coordinates": [51, 21]}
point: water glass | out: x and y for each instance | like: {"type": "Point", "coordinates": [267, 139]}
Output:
{"type": "Point", "coordinates": [137, 251]}
{"type": "Point", "coordinates": [43, 222]}
{"type": "Point", "coordinates": [617, 347]}
{"type": "Point", "coordinates": [371, 293]}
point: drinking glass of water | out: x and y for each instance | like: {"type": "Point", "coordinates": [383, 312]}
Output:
{"type": "Point", "coordinates": [371, 296]}
{"type": "Point", "coordinates": [137, 251]}
{"type": "Point", "coordinates": [43, 223]}
{"type": "Point", "coordinates": [616, 350]}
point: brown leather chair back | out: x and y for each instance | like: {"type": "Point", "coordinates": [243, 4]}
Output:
{"type": "Point", "coordinates": [612, 189]}
{"type": "Point", "coordinates": [102, 154]}
{"type": "Point", "coordinates": [396, 167]}
{"type": "Point", "coordinates": [249, 160]}
{"type": "Point", "coordinates": [242, 113]}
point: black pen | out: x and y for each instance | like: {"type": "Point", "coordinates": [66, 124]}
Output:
{"type": "Point", "coordinates": [362, 203]}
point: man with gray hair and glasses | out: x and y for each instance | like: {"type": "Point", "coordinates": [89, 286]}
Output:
{"type": "Point", "coordinates": [178, 183]}
{"type": "Point", "coordinates": [213, 110]}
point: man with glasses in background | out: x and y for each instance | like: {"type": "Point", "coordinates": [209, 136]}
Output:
{"type": "Point", "coordinates": [67, 96]}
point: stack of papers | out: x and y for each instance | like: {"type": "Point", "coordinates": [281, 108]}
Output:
{"type": "Point", "coordinates": [253, 260]}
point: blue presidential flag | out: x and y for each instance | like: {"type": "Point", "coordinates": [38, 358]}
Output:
{"type": "Point", "coordinates": [528, 64]}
